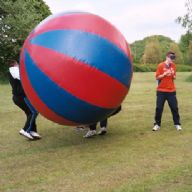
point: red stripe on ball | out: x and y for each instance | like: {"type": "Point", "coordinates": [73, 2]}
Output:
{"type": "Point", "coordinates": [85, 22]}
{"type": "Point", "coordinates": [79, 79]}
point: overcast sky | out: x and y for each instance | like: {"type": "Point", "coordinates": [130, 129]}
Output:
{"type": "Point", "coordinates": [136, 19]}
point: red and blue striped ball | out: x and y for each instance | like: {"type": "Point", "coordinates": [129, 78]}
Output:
{"type": "Point", "coordinates": [75, 68]}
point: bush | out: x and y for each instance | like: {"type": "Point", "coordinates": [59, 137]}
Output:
{"type": "Point", "coordinates": [3, 78]}
{"type": "Point", "coordinates": [144, 67]}
{"type": "Point", "coordinates": [184, 68]}
{"type": "Point", "coordinates": [152, 68]}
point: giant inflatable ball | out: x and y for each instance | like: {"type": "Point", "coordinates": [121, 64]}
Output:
{"type": "Point", "coordinates": [75, 68]}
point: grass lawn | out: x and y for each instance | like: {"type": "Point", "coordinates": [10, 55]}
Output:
{"type": "Point", "coordinates": [130, 158]}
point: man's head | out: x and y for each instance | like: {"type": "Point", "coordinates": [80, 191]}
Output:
{"type": "Point", "coordinates": [12, 63]}
{"type": "Point", "coordinates": [170, 55]}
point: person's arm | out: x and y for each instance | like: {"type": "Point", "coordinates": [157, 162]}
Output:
{"type": "Point", "coordinates": [161, 76]}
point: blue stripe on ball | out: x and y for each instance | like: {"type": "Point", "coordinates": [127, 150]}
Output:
{"type": "Point", "coordinates": [59, 100]}
{"type": "Point", "coordinates": [90, 49]}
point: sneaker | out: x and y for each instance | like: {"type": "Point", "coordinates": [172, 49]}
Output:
{"type": "Point", "coordinates": [102, 131]}
{"type": "Point", "coordinates": [35, 135]}
{"type": "Point", "coordinates": [156, 128]}
{"type": "Point", "coordinates": [25, 134]}
{"type": "Point", "coordinates": [178, 127]}
{"type": "Point", "coordinates": [90, 133]}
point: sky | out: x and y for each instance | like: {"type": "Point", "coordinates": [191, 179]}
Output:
{"type": "Point", "coordinates": [136, 19]}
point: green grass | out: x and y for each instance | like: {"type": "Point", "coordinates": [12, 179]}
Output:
{"type": "Point", "coordinates": [130, 158]}
{"type": "Point", "coordinates": [189, 78]}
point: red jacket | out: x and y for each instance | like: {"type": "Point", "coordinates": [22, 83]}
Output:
{"type": "Point", "coordinates": [166, 84]}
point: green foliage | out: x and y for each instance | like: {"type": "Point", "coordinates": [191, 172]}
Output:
{"type": "Point", "coordinates": [185, 45]}
{"type": "Point", "coordinates": [3, 78]}
{"type": "Point", "coordinates": [154, 48]}
{"type": "Point", "coordinates": [186, 20]}
{"type": "Point", "coordinates": [175, 48]}
{"type": "Point", "coordinates": [190, 53]}
{"type": "Point", "coordinates": [152, 52]}
{"type": "Point", "coordinates": [137, 50]}
{"type": "Point", "coordinates": [183, 68]}
{"type": "Point", "coordinates": [144, 67]}
{"type": "Point", "coordinates": [185, 41]}
{"type": "Point", "coordinates": [17, 19]}
{"type": "Point", "coordinates": [138, 47]}
{"type": "Point", "coordinates": [152, 68]}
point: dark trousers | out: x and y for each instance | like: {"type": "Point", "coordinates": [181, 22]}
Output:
{"type": "Point", "coordinates": [31, 114]}
{"type": "Point", "coordinates": [103, 123]}
{"type": "Point", "coordinates": [172, 101]}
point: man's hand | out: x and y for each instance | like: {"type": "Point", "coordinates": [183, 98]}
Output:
{"type": "Point", "coordinates": [167, 73]}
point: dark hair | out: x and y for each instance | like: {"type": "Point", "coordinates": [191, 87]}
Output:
{"type": "Point", "coordinates": [11, 62]}
{"type": "Point", "coordinates": [171, 55]}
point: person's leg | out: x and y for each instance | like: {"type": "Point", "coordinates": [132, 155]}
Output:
{"type": "Point", "coordinates": [33, 116]}
{"type": "Point", "coordinates": [160, 101]}
{"type": "Point", "coordinates": [32, 129]}
{"type": "Point", "coordinates": [93, 126]}
{"type": "Point", "coordinates": [173, 104]}
{"type": "Point", "coordinates": [103, 125]}
{"type": "Point", "coordinates": [19, 101]}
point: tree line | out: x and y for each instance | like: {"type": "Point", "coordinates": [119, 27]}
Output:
{"type": "Point", "coordinates": [152, 50]}
{"type": "Point", "coordinates": [19, 17]}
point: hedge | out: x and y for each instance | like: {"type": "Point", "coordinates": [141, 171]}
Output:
{"type": "Point", "coordinates": [152, 68]}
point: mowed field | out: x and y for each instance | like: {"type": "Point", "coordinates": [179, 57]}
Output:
{"type": "Point", "coordinates": [130, 158]}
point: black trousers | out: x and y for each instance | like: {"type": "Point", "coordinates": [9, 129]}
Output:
{"type": "Point", "coordinates": [31, 114]}
{"type": "Point", "coordinates": [170, 97]}
{"type": "Point", "coordinates": [103, 123]}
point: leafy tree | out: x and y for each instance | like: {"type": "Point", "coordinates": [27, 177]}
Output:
{"type": "Point", "coordinates": [138, 47]}
{"type": "Point", "coordinates": [186, 20]}
{"type": "Point", "coordinates": [184, 45]}
{"type": "Point", "coordinates": [175, 48]}
{"type": "Point", "coordinates": [152, 52]}
{"type": "Point", "coordinates": [190, 53]}
{"type": "Point", "coordinates": [137, 50]}
{"type": "Point", "coordinates": [17, 19]}
{"type": "Point", "coordinates": [165, 43]}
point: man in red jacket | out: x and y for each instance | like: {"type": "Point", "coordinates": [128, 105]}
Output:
{"type": "Point", "coordinates": [166, 91]}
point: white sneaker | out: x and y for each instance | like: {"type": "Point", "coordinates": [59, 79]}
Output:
{"type": "Point", "coordinates": [90, 133]}
{"type": "Point", "coordinates": [25, 134]}
{"type": "Point", "coordinates": [102, 131]}
{"type": "Point", "coordinates": [156, 128]}
{"type": "Point", "coordinates": [35, 135]}
{"type": "Point", "coordinates": [178, 127]}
